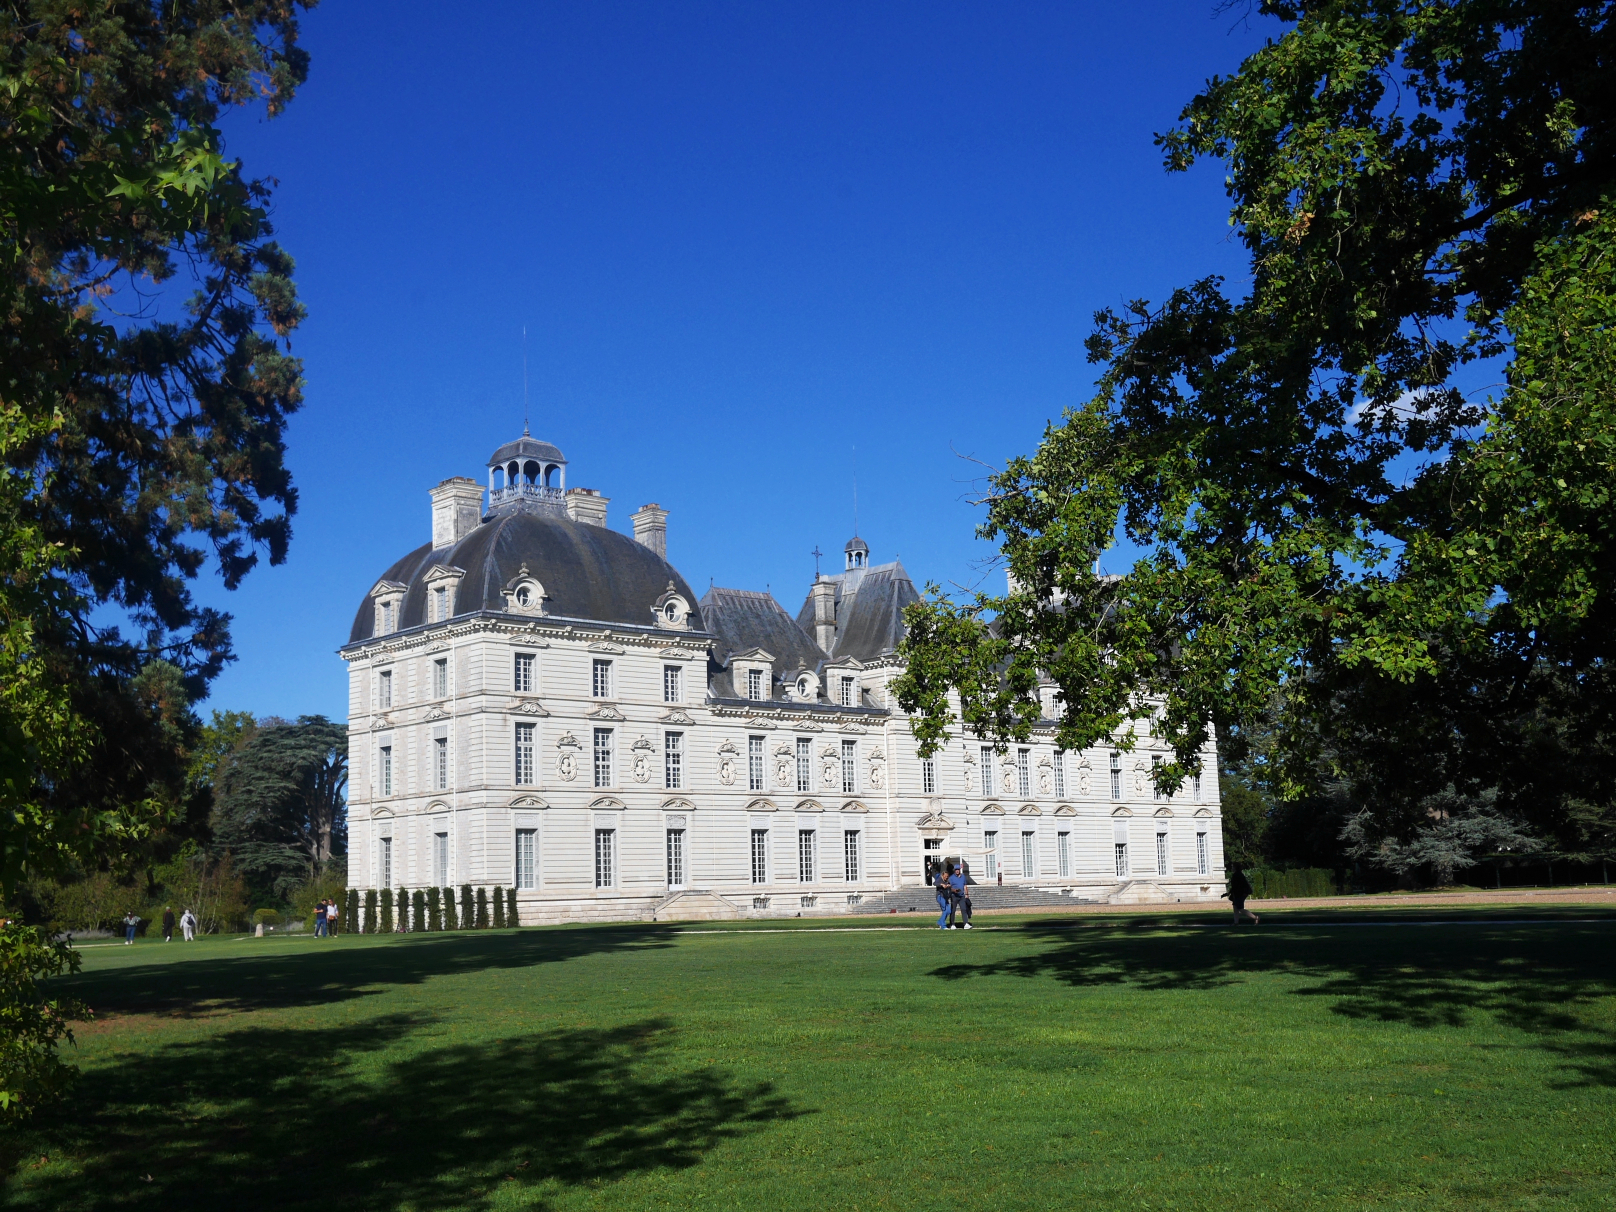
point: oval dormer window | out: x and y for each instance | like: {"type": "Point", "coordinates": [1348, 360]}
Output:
{"type": "Point", "coordinates": [524, 595]}
{"type": "Point", "coordinates": [671, 612]}
{"type": "Point", "coordinates": [802, 687]}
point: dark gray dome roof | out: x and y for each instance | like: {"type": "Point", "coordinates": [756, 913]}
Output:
{"type": "Point", "coordinates": [526, 447]}
{"type": "Point", "coordinates": [588, 572]}
{"type": "Point", "coordinates": [857, 544]}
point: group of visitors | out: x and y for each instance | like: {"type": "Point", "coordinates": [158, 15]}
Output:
{"type": "Point", "coordinates": [326, 914]}
{"type": "Point", "coordinates": [952, 896]}
{"type": "Point", "coordinates": [187, 925]}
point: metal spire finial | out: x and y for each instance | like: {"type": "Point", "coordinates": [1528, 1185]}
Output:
{"type": "Point", "coordinates": [525, 433]}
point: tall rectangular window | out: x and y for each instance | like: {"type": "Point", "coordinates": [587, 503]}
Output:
{"type": "Point", "coordinates": [1195, 780]}
{"type": "Point", "coordinates": [673, 684]}
{"type": "Point", "coordinates": [384, 862]}
{"type": "Point", "coordinates": [673, 758]}
{"type": "Point", "coordinates": [603, 758]}
{"type": "Point", "coordinates": [384, 770]}
{"type": "Point", "coordinates": [440, 858]}
{"type": "Point", "coordinates": [754, 683]}
{"type": "Point", "coordinates": [440, 763]}
{"type": "Point", "coordinates": [805, 763]}
{"type": "Point", "coordinates": [526, 868]}
{"type": "Point", "coordinates": [440, 604]}
{"type": "Point", "coordinates": [1116, 776]}
{"type": "Point", "coordinates": [1155, 769]}
{"type": "Point", "coordinates": [384, 688]}
{"type": "Point", "coordinates": [849, 767]}
{"type": "Point", "coordinates": [387, 618]}
{"type": "Point", "coordinates": [1024, 772]}
{"type": "Point", "coordinates": [1201, 857]}
{"type": "Point", "coordinates": [601, 686]}
{"type": "Point", "coordinates": [522, 674]}
{"type": "Point", "coordinates": [987, 770]}
{"type": "Point", "coordinates": [760, 856]}
{"type": "Point", "coordinates": [1060, 774]}
{"type": "Point", "coordinates": [1122, 858]}
{"type": "Point", "coordinates": [850, 854]}
{"type": "Point", "coordinates": [990, 852]}
{"type": "Point", "coordinates": [676, 858]}
{"type": "Point", "coordinates": [805, 855]}
{"type": "Point", "coordinates": [754, 763]}
{"type": "Point", "coordinates": [1063, 853]}
{"type": "Point", "coordinates": [605, 858]}
{"type": "Point", "coordinates": [524, 754]}
{"type": "Point", "coordinates": [1161, 854]}
{"type": "Point", "coordinates": [928, 776]}
{"type": "Point", "coordinates": [1029, 853]}
{"type": "Point", "coordinates": [849, 693]}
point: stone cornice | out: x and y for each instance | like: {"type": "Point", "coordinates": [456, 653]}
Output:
{"type": "Point", "coordinates": [495, 623]}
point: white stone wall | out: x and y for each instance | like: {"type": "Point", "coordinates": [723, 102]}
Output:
{"type": "Point", "coordinates": [483, 806]}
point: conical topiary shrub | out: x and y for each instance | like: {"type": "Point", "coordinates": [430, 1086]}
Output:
{"type": "Point", "coordinates": [482, 908]}
{"type": "Point", "coordinates": [418, 912]}
{"type": "Point", "coordinates": [384, 923]}
{"type": "Point", "coordinates": [350, 912]}
{"type": "Point", "coordinates": [512, 917]}
{"type": "Point", "coordinates": [449, 922]}
{"type": "Point", "coordinates": [468, 909]}
{"type": "Point", "coordinates": [434, 909]}
{"type": "Point", "coordinates": [499, 908]}
{"type": "Point", "coordinates": [370, 911]}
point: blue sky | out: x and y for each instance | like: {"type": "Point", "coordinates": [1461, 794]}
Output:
{"type": "Point", "coordinates": [744, 240]}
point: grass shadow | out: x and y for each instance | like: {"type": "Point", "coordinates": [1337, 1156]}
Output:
{"type": "Point", "coordinates": [1537, 979]}
{"type": "Point", "coordinates": [316, 975]}
{"type": "Point", "coordinates": [288, 1118]}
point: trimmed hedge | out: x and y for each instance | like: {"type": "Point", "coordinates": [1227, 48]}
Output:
{"type": "Point", "coordinates": [350, 912]}
{"type": "Point", "coordinates": [1267, 884]}
{"type": "Point", "coordinates": [499, 908]}
{"type": "Point", "coordinates": [434, 909]}
{"type": "Point", "coordinates": [449, 921]}
{"type": "Point", "coordinates": [512, 917]}
{"type": "Point", "coordinates": [385, 925]}
{"type": "Point", "coordinates": [418, 912]}
{"type": "Point", "coordinates": [370, 911]}
{"type": "Point", "coordinates": [468, 914]}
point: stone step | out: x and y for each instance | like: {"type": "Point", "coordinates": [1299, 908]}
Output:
{"type": "Point", "coordinates": [921, 899]}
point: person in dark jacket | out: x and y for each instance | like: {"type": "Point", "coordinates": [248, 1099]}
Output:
{"type": "Point", "coordinates": [1239, 890]}
{"type": "Point", "coordinates": [168, 923]}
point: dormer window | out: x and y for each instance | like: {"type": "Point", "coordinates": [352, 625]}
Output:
{"type": "Point", "coordinates": [671, 610]}
{"type": "Point", "coordinates": [524, 594]}
{"type": "Point", "coordinates": [440, 603]}
{"type": "Point", "coordinates": [849, 692]}
{"type": "Point", "coordinates": [802, 688]}
{"type": "Point", "coordinates": [389, 599]}
{"type": "Point", "coordinates": [754, 684]}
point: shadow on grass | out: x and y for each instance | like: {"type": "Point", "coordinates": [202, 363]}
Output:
{"type": "Point", "coordinates": [320, 975]}
{"type": "Point", "coordinates": [1537, 979]}
{"type": "Point", "coordinates": [291, 1118]}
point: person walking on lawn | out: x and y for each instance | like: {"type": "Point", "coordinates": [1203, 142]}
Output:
{"type": "Point", "coordinates": [957, 897]}
{"type": "Point", "coordinates": [168, 923]}
{"type": "Point", "coordinates": [130, 921]}
{"type": "Point", "coordinates": [962, 893]}
{"type": "Point", "coordinates": [945, 896]}
{"type": "Point", "coordinates": [319, 920]}
{"type": "Point", "coordinates": [1239, 890]}
{"type": "Point", "coordinates": [188, 926]}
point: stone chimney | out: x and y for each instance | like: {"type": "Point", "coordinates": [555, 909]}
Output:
{"type": "Point", "coordinates": [651, 528]}
{"type": "Point", "coordinates": [824, 596]}
{"type": "Point", "coordinates": [457, 508]}
{"type": "Point", "coordinates": [586, 505]}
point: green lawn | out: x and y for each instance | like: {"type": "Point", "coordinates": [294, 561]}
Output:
{"type": "Point", "coordinates": [1328, 1060]}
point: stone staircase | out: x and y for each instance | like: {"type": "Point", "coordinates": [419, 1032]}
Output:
{"type": "Point", "coordinates": [922, 899]}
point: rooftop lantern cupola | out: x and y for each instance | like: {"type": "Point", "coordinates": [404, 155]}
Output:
{"type": "Point", "coordinates": [527, 476]}
{"type": "Point", "coordinates": [857, 552]}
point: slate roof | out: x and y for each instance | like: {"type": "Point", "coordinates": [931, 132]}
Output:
{"type": "Point", "coordinates": [526, 447]}
{"type": "Point", "coordinates": [743, 619]}
{"type": "Point", "coordinates": [588, 572]}
{"type": "Point", "coordinates": [869, 610]}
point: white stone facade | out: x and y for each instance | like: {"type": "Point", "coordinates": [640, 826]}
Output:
{"type": "Point", "coordinates": [605, 771]}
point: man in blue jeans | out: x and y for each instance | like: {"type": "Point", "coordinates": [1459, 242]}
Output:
{"type": "Point", "coordinates": [956, 897]}
{"type": "Point", "coordinates": [945, 896]}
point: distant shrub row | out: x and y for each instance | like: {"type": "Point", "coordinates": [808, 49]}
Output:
{"type": "Point", "coordinates": [1267, 884]}
{"type": "Point", "coordinates": [390, 910]}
